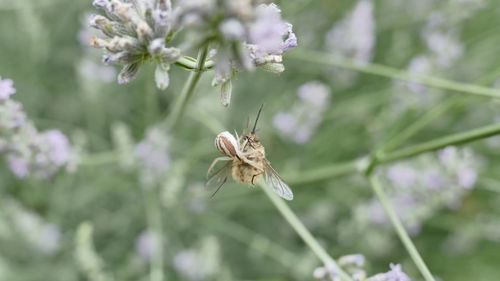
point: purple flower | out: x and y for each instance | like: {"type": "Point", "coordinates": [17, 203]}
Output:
{"type": "Point", "coordinates": [18, 165]}
{"type": "Point", "coordinates": [49, 238]}
{"type": "Point", "coordinates": [189, 264]}
{"type": "Point", "coordinates": [354, 36]}
{"type": "Point", "coordinates": [153, 156]}
{"type": "Point", "coordinates": [433, 180]}
{"type": "Point", "coordinates": [354, 259]}
{"type": "Point", "coordinates": [147, 244]}
{"type": "Point", "coordinates": [315, 93]}
{"type": "Point", "coordinates": [466, 177]}
{"type": "Point", "coordinates": [57, 147]}
{"type": "Point", "coordinates": [285, 122]}
{"type": "Point", "coordinates": [419, 65]}
{"type": "Point", "coordinates": [232, 29]}
{"type": "Point", "coordinates": [268, 30]}
{"type": "Point", "coordinates": [395, 274]}
{"type": "Point", "coordinates": [6, 88]}
{"type": "Point", "coordinates": [12, 116]}
{"type": "Point", "coordinates": [401, 175]}
{"type": "Point", "coordinates": [291, 40]}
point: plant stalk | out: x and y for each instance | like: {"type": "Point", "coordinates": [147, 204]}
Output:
{"type": "Point", "coordinates": [304, 233]}
{"type": "Point", "coordinates": [400, 230]}
{"type": "Point", "coordinates": [187, 92]}
{"type": "Point", "coordinates": [386, 71]}
{"type": "Point", "coordinates": [432, 145]}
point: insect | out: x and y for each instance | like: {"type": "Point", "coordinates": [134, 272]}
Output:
{"type": "Point", "coordinates": [247, 162]}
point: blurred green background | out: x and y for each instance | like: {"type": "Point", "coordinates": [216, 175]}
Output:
{"type": "Point", "coordinates": [239, 235]}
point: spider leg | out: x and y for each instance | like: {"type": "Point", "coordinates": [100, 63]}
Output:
{"type": "Point", "coordinates": [224, 158]}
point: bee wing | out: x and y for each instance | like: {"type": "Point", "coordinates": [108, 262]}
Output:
{"type": "Point", "coordinates": [220, 177]}
{"type": "Point", "coordinates": [273, 179]}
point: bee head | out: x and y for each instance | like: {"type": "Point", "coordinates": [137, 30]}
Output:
{"type": "Point", "coordinates": [251, 138]}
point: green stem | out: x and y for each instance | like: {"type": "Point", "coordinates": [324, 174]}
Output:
{"type": "Point", "coordinates": [455, 139]}
{"type": "Point", "coordinates": [304, 233]}
{"type": "Point", "coordinates": [400, 230]}
{"type": "Point", "coordinates": [153, 217]}
{"type": "Point", "coordinates": [386, 71]}
{"type": "Point", "coordinates": [187, 92]}
{"type": "Point", "coordinates": [191, 63]}
{"type": "Point", "coordinates": [346, 168]}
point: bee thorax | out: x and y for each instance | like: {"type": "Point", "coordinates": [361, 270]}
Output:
{"type": "Point", "coordinates": [226, 143]}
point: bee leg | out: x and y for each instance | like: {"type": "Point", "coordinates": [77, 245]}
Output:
{"type": "Point", "coordinates": [224, 158]}
{"type": "Point", "coordinates": [253, 177]}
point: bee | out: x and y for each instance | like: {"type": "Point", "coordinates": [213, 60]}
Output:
{"type": "Point", "coordinates": [247, 162]}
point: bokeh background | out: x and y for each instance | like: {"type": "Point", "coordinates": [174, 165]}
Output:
{"type": "Point", "coordinates": [101, 221]}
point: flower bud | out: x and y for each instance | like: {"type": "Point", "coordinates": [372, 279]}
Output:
{"type": "Point", "coordinates": [128, 73]}
{"type": "Point", "coordinates": [161, 76]}
{"type": "Point", "coordinates": [273, 67]}
{"type": "Point", "coordinates": [225, 93]}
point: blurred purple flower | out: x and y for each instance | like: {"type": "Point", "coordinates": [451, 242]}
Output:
{"type": "Point", "coordinates": [285, 122]}
{"type": "Point", "coordinates": [6, 88]}
{"type": "Point", "coordinates": [353, 259]}
{"type": "Point", "coordinates": [395, 274]}
{"type": "Point", "coordinates": [12, 116]}
{"type": "Point", "coordinates": [419, 65]}
{"type": "Point", "coordinates": [354, 36]}
{"type": "Point", "coordinates": [433, 180]}
{"type": "Point", "coordinates": [268, 30]}
{"type": "Point", "coordinates": [57, 147]}
{"type": "Point", "coordinates": [466, 177]}
{"type": "Point", "coordinates": [401, 175]}
{"type": "Point", "coordinates": [49, 238]}
{"type": "Point", "coordinates": [147, 244]}
{"type": "Point", "coordinates": [315, 93]}
{"type": "Point", "coordinates": [152, 154]}
{"type": "Point", "coordinates": [18, 165]}
{"type": "Point", "coordinates": [299, 123]}
{"type": "Point", "coordinates": [189, 264]}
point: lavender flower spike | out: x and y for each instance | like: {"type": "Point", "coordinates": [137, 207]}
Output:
{"type": "Point", "coordinates": [136, 32]}
{"type": "Point", "coordinates": [6, 88]}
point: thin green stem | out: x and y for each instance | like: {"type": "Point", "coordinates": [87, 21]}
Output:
{"type": "Point", "coordinates": [336, 170]}
{"type": "Point", "coordinates": [304, 233]}
{"type": "Point", "coordinates": [187, 92]}
{"type": "Point", "coordinates": [189, 63]}
{"type": "Point", "coordinates": [400, 230]}
{"type": "Point", "coordinates": [386, 71]}
{"type": "Point", "coordinates": [455, 139]}
{"type": "Point", "coordinates": [153, 217]}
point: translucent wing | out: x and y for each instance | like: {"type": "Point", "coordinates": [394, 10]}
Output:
{"type": "Point", "coordinates": [220, 177]}
{"type": "Point", "coordinates": [276, 182]}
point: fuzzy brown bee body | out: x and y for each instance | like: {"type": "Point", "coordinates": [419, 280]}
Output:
{"type": "Point", "coordinates": [247, 164]}
{"type": "Point", "coordinates": [250, 173]}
